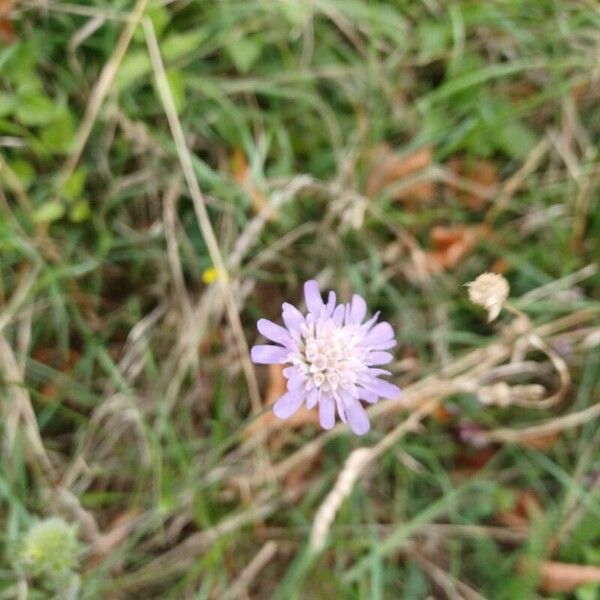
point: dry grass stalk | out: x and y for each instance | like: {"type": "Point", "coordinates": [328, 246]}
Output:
{"type": "Point", "coordinates": [185, 158]}
{"type": "Point", "coordinates": [353, 469]}
{"type": "Point", "coordinates": [100, 91]}
{"type": "Point", "coordinates": [248, 575]}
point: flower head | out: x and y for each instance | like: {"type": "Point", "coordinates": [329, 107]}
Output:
{"type": "Point", "coordinates": [332, 358]}
{"type": "Point", "coordinates": [489, 290]}
{"type": "Point", "coordinates": [50, 548]}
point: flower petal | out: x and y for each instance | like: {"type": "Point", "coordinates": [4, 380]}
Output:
{"type": "Point", "coordinates": [384, 345]}
{"type": "Point", "coordinates": [367, 326]}
{"type": "Point", "coordinates": [292, 317]}
{"type": "Point", "coordinates": [341, 408]}
{"type": "Point", "coordinates": [290, 372]}
{"type": "Point", "coordinates": [358, 418]}
{"type": "Point", "coordinates": [326, 411]}
{"type": "Point", "coordinates": [378, 358]}
{"type": "Point", "coordinates": [385, 389]}
{"type": "Point", "coordinates": [368, 396]}
{"type": "Point", "coordinates": [312, 397]}
{"type": "Point", "coordinates": [297, 382]}
{"type": "Point", "coordinates": [381, 333]}
{"type": "Point", "coordinates": [288, 404]}
{"type": "Point", "coordinates": [274, 332]}
{"type": "Point", "coordinates": [373, 372]}
{"type": "Point", "coordinates": [338, 315]}
{"type": "Point", "coordinates": [330, 303]}
{"type": "Point", "coordinates": [314, 302]}
{"type": "Point", "coordinates": [267, 354]}
{"type": "Point", "coordinates": [358, 309]}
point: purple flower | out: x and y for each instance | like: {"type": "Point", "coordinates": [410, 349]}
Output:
{"type": "Point", "coordinates": [332, 357]}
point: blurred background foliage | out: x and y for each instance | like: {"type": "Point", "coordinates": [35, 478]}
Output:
{"type": "Point", "coordinates": [437, 140]}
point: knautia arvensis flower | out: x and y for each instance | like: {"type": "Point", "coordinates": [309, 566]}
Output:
{"type": "Point", "coordinates": [332, 357]}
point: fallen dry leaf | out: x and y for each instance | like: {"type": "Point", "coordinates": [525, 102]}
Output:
{"type": "Point", "coordinates": [500, 265]}
{"type": "Point", "coordinates": [7, 31]}
{"type": "Point", "coordinates": [389, 167]}
{"type": "Point", "coordinates": [542, 442]}
{"type": "Point", "coordinates": [557, 577]}
{"type": "Point", "coordinates": [521, 90]}
{"type": "Point", "coordinates": [451, 244]}
{"type": "Point", "coordinates": [527, 504]}
{"type": "Point", "coordinates": [481, 173]}
{"type": "Point", "coordinates": [240, 169]}
{"type": "Point", "coordinates": [441, 414]}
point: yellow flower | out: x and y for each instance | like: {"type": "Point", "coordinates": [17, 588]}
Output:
{"type": "Point", "coordinates": [211, 275]}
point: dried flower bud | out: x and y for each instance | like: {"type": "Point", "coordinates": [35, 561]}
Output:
{"type": "Point", "coordinates": [489, 290]}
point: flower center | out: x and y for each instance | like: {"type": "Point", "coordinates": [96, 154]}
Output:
{"type": "Point", "coordinates": [329, 355]}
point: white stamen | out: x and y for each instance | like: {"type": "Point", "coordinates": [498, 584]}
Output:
{"type": "Point", "coordinates": [330, 355]}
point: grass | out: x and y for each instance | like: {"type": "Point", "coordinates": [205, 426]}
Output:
{"type": "Point", "coordinates": [395, 149]}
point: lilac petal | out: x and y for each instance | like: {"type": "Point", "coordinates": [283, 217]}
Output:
{"type": "Point", "coordinates": [385, 389]}
{"type": "Point", "coordinates": [274, 332]}
{"type": "Point", "coordinates": [288, 404]}
{"type": "Point", "coordinates": [314, 302]}
{"type": "Point", "coordinates": [373, 372]}
{"type": "Point", "coordinates": [384, 345]}
{"type": "Point", "coordinates": [292, 317]}
{"type": "Point", "coordinates": [382, 332]}
{"type": "Point", "coordinates": [297, 382]}
{"type": "Point", "coordinates": [341, 408]}
{"type": "Point", "coordinates": [378, 358]}
{"type": "Point", "coordinates": [312, 397]}
{"type": "Point", "coordinates": [367, 326]}
{"type": "Point", "coordinates": [290, 372]}
{"type": "Point", "coordinates": [338, 314]}
{"type": "Point", "coordinates": [330, 303]}
{"type": "Point", "coordinates": [368, 396]}
{"type": "Point", "coordinates": [326, 412]}
{"type": "Point", "coordinates": [266, 354]}
{"type": "Point", "coordinates": [358, 418]}
{"type": "Point", "coordinates": [358, 309]}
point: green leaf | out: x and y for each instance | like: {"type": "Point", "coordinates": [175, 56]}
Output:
{"type": "Point", "coordinates": [135, 66]}
{"type": "Point", "coordinates": [57, 137]}
{"type": "Point", "coordinates": [178, 45]}
{"type": "Point", "coordinates": [8, 103]}
{"type": "Point", "coordinates": [434, 39]}
{"type": "Point", "coordinates": [589, 591]}
{"type": "Point", "coordinates": [177, 85]}
{"type": "Point", "coordinates": [36, 109]}
{"type": "Point", "coordinates": [49, 212]}
{"type": "Point", "coordinates": [24, 171]}
{"type": "Point", "coordinates": [244, 52]}
{"type": "Point", "coordinates": [74, 186]}
{"type": "Point", "coordinates": [80, 211]}
{"type": "Point", "coordinates": [515, 140]}
{"type": "Point", "coordinates": [18, 61]}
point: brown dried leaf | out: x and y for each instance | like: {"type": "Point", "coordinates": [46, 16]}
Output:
{"type": "Point", "coordinates": [7, 31]}
{"type": "Point", "coordinates": [481, 173]}
{"type": "Point", "coordinates": [389, 168]}
{"type": "Point", "coordinates": [542, 442]}
{"type": "Point", "coordinates": [242, 174]}
{"type": "Point", "coordinates": [527, 504]}
{"type": "Point", "coordinates": [557, 577]}
{"type": "Point", "coordinates": [451, 244]}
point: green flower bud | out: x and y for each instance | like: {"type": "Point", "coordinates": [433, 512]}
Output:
{"type": "Point", "coordinates": [50, 549]}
